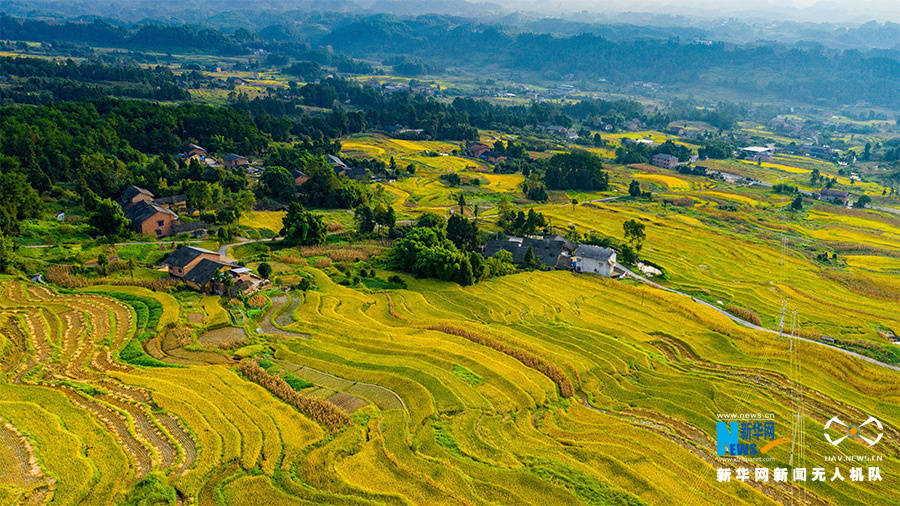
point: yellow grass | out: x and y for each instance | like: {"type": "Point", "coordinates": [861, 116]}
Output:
{"type": "Point", "coordinates": [874, 263]}
{"type": "Point", "coordinates": [269, 220]}
{"type": "Point", "coordinates": [671, 182]}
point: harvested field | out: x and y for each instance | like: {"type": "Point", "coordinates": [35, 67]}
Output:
{"type": "Point", "coordinates": [223, 337]}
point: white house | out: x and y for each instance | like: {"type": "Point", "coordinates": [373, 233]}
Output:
{"type": "Point", "coordinates": [594, 259]}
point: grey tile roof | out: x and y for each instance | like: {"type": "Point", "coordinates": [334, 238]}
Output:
{"type": "Point", "coordinates": [174, 199]}
{"type": "Point", "coordinates": [133, 190]}
{"type": "Point", "coordinates": [185, 255]}
{"type": "Point", "coordinates": [143, 210]}
{"type": "Point", "coordinates": [594, 252]}
{"type": "Point", "coordinates": [203, 272]}
{"type": "Point", "coordinates": [550, 251]}
{"type": "Point", "coordinates": [335, 161]}
{"type": "Point", "coordinates": [230, 157]}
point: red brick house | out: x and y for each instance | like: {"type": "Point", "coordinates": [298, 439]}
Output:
{"type": "Point", "coordinates": [207, 271]}
{"type": "Point", "coordinates": [151, 219]}
{"type": "Point", "coordinates": [233, 160]}
{"type": "Point", "coordinates": [134, 194]}
{"type": "Point", "coordinates": [185, 258]}
{"type": "Point", "coordinates": [665, 161]}
{"type": "Point", "coordinates": [477, 149]}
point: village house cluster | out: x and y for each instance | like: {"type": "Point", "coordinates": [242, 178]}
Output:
{"type": "Point", "coordinates": [156, 217]}
{"type": "Point", "coordinates": [209, 272]}
{"type": "Point", "coordinates": [556, 252]}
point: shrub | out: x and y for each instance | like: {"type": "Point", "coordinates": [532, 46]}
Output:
{"type": "Point", "coordinates": [296, 382]}
{"type": "Point", "coordinates": [744, 314]}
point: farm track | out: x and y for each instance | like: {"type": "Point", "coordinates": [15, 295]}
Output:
{"type": "Point", "coordinates": [270, 323]}
{"type": "Point", "coordinates": [750, 325]}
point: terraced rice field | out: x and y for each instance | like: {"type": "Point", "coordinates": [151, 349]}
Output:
{"type": "Point", "coordinates": [720, 261]}
{"type": "Point", "coordinates": [453, 394]}
{"type": "Point", "coordinates": [671, 182]}
{"type": "Point", "coordinates": [639, 421]}
{"type": "Point", "coordinates": [268, 220]}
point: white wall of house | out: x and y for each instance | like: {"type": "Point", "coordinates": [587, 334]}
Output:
{"type": "Point", "coordinates": [593, 266]}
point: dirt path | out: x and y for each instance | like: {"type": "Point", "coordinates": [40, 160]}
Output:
{"type": "Point", "coordinates": [223, 249]}
{"type": "Point", "coordinates": [745, 323]}
{"type": "Point", "coordinates": [270, 323]}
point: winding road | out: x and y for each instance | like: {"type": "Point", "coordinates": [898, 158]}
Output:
{"type": "Point", "coordinates": [747, 324]}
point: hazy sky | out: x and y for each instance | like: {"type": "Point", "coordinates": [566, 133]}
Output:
{"type": "Point", "coordinates": [811, 10]}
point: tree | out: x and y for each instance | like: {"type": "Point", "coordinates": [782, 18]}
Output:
{"type": "Point", "coordinates": [385, 216]}
{"type": "Point", "coordinates": [7, 250]}
{"type": "Point", "coordinates": [797, 204]}
{"type": "Point", "coordinates": [365, 219]}
{"type": "Point", "coordinates": [102, 263]}
{"type": "Point", "coordinates": [628, 255]}
{"type": "Point", "coordinates": [430, 220]}
{"type": "Point", "coordinates": [530, 259]}
{"type": "Point", "coordinates": [265, 270]}
{"type": "Point", "coordinates": [634, 233]}
{"type": "Point", "coordinates": [302, 227]}
{"type": "Point", "coordinates": [479, 268]}
{"type": "Point", "coordinates": [500, 264]}
{"type": "Point", "coordinates": [465, 276]}
{"type": "Point", "coordinates": [462, 232]}
{"type": "Point", "coordinates": [18, 201]}
{"type": "Point", "coordinates": [815, 177]}
{"type": "Point", "coordinates": [276, 182]}
{"type": "Point", "coordinates": [131, 265]}
{"type": "Point", "coordinates": [106, 217]}
{"type": "Point", "coordinates": [245, 200]}
{"type": "Point", "coordinates": [199, 194]}
{"type": "Point", "coordinates": [576, 170]}
{"type": "Point", "coordinates": [461, 201]}
{"type": "Point", "coordinates": [634, 189]}
{"type": "Point", "coordinates": [863, 201]}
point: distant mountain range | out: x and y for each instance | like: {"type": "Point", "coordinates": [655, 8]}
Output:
{"type": "Point", "coordinates": [312, 19]}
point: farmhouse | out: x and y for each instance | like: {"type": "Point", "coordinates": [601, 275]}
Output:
{"type": "Point", "coordinates": [594, 259]}
{"type": "Point", "coordinates": [758, 153]}
{"type": "Point", "coordinates": [299, 177]}
{"type": "Point", "coordinates": [817, 151]}
{"type": "Point", "coordinates": [207, 271]}
{"type": "Point", "coordinates": [194, 150]}
{"type": "Point", "coordinates": [477, 149]}
{"type": "Point", "coordinates": [834, 196]}
{"type": "Point", "coordinates": [665, 160]}
{"type": "Point", "coordinates": [233, 160]}
{"type": "Point", "coordinates": [336, 163]}
{"type": "Point", "coordinates": [173, 202]}
{"type": "Point", "coordinates": [134, 194]}
{"type": "Point", "coordinates": [194, 228]}
{"type": "Point", "coordinates": [553, 252]}
{"type": "Point", "coordinates": [150, 219]}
